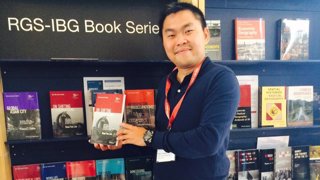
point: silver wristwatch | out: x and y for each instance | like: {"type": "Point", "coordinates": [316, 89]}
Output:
{"type": "Point", "coordinates": [147, 137]}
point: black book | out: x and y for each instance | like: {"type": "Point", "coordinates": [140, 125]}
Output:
{"type": "Point", "coordinates": [266, 164]}
{"type": "Point", "coordinates": [139, 168]}
{"type": "Point", "coordinates": [300, 163]}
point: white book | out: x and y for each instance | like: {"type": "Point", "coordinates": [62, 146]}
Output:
{"type": "Point", "coordinates": [98, 83]}
{"type": "Point", "coordinates": [253, 81]}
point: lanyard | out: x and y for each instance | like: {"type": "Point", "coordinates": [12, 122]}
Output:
{"type": "Point", "coordinates": [178, 105]}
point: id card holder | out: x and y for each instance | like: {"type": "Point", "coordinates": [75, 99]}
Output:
{"type": "Point", "coordinates": [163, 156]}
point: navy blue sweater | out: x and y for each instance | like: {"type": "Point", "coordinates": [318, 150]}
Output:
{"type": "Point", "coordinates": [200, 133]}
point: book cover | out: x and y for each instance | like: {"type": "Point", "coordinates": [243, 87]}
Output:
{"type": "Point", "coordinates": [273, 106]}
{"type": "Point", "coordinates": [247, 164]}
{"type": "Point", "coordinates": [232, 159]}
{"type": "Point", "coordinates": [300, 163]}
{"type": "Point", "coordinates": [67, 113]}
{"type": "Point", "coordinates": [22, 115]}
{"type": "Point", "coordinates": [213, 48]}
{"type": "Point", "coordinates": [139, 168]}
{"type": "Point", "coordinates": [140, 107]}
{"type": "Point", "coordinates": [314, 160]}
{"type": "Point", "coordinates": [84, 170]}
{"type": "Point", "coordinates": [110, 169]}
{"type": "Point", "coordinates": [294, 39]}
{"type": "Point", "coordinates": [253, 81]}
{"type": "Point", "coordinates": [316, 105]}
{"type": "Point", "coordinates": [250, 38]}
{"type": "Point", "coordinates": [266, 164]}
{"type": "Point", "coordinates": [98, 83]}
{"type": "Point", "coordinates": [29, 171]}
{"type": "Point", "coordinates": [300, 105]}
{"type": "Point", "coordinates": [282, 163]}
{"type": "Point", "coordinates": [53, 171]}
{"type": "Point", "coordinates": [242, 118]}
{"type": "Point", "coordinates": [109, 91]}
{"type": "Point", "coordinates": [107, 117]}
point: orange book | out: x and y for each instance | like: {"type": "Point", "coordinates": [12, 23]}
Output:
{"type": "Point", "coordinates": [250, 39]}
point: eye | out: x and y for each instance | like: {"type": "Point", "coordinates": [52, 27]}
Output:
{"type": "Point", "coordinates": [188, 31]}
{"type": "Point", "coordinates": [170, 35]}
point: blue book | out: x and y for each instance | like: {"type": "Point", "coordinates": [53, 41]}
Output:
{"type": "Point", "coordinates": [109, 169]}
{"type": "Point", "coordinates": [55, 170]}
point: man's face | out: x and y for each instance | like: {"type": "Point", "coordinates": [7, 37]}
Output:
{"type": "Point", "coordinates": [184, 39]}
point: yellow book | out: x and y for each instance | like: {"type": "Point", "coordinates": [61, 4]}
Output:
{"type": "Point", "coordinates": [273, 106]}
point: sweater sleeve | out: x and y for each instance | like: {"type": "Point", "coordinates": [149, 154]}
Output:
{"type": "Point", "coordinates": [218, 111]}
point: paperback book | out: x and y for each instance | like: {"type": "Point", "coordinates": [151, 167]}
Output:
{"type": "Point", "coordinates": [266, 164]}
{"type": "Point", "coordinates": [67, 113]}
{"type": "Point", "coordinates": [232, 170]}
{"type": "Point", "coordinates": [29, 171]}
{"type": "Point", "coordinates": [294, 39]}
{"type": "Point", "coordinates": [53, 171]}
{"type": "Point", "coordinates": [247, 164]}
{"type": "Point", "coordinates": [139, 168]}
{"type": "Point", "coordinates": [140, 107]}
{"type": "Point", "coordinates": [107, 117]}
{"type": "Point", "coordinates": [314, 160]}
{"type": "Point", "coordinates": [282, 163]}
{"type": "Point", "coordinates": [98, 83]}
{"type": "Point", "coordinates": [213, 48]}
{"type": "Point", "coordinates": [81, 170]}
{"type": "Point", "coordinates": [253, 81]}
{"type": "Point", "coordinates": [273, 106]}
{"type": "Point", "coordinates": [242, 118]}
{"type": "Point", "coordinates": [250, 38]}
{"type": "Point", "coordinates": [300, 105]}
{"type": "Point", "coordinates": [300, 163]}
{"type": "Point", "coordinates": [110, 169]}
{"type": "Point", "coordinates": [22, 115]}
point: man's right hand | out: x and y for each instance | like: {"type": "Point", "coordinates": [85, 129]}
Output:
{"type": "Point", "coordinates": [103, 147]}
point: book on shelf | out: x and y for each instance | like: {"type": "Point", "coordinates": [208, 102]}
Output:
{"type": "Point", "coordinates": [294, 39]}
{"type": "Point", "coordinates": [242, 119]}
{"type": "Point", "coordinates": [107, 117]}
{"type": "Point", "coordinates": [300, 105]}
{"type": "Point", "coordinates": [213, 48]}
{"type": "Point", "coordinates": [139, 168]}
{"type": "Point", "coordinates": [266, 164]}
{"type": "Point", "coordinates": [314, 161]}
{"type": "Point", "coordinates": [250, 38]}
{"type": "Point", "coordinates": [140, 107]}
{"type": "Point", "coordinates": [22, 115]}
{"type": "Point", "coordinates": [98, 83]}
{"type": "Point", "coordinates": [81, 170]}
{"type": "Point", "coordinates": [316, 105]}
{"type": "Point", "coordinates": [300, 163]}
{"type": "Point", "coordinates": [110, 169]}
{"type": "Point", "coordinates": [67, 113]}
{"type": "Point", "coordinates": [253, 81]}
{"type": "Point", "coordinates": [273, 106]}
{"type": "Point", "coordinates": [53, 171]}
{"type": "Point", "coordinates": [247, 164]}
{"type": "Point", "coordinates": [232, 159]}
{"type": "Point", "coordinates": [282, 163]}
{"type": "Point", "coordinates": [28, 171]}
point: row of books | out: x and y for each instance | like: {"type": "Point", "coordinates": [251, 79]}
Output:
{"type": "Point", "coordinates": [104, 113]}
{"type": "Point", "coordinates": [273, 106]}
{"type": "Point", "coordinates": [137, 168]}
{"type": "Point", "coordinates": [299, 163]}
{"type": "Point", "coordinates": [293, 39]}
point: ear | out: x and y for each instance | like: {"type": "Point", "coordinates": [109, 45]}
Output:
{"type": "Point", "coordinates": [207, 35]}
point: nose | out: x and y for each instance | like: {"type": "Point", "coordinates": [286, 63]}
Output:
{"type": "Point", "coordinates": [181, 39]}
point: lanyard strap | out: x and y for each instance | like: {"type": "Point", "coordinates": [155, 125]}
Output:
{"type": "Point", "coordinates": [178, 105]}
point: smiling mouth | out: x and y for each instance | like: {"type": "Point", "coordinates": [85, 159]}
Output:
{"type": "Point", "coordinates": [181, 51]}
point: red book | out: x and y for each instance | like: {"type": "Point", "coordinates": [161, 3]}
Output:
{"type": "Point", "coordinates": [67, 113]}
{"type": "Point", "coordinates": [140, 107]}
{"type": "Point", "coordinates": [76, 169]}
{"type": "Point", "coordinates": [29, 172]}
{"type": "Point", "coordinates": [242, 118]}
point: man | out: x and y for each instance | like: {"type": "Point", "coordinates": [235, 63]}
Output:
{"type": "Point", "coordinates": [196, 104]}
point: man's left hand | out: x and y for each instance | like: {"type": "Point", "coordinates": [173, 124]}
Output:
{"type": "Point", "coordinates": [129, 134]}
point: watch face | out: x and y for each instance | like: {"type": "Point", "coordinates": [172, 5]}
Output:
{"type": "Point", "coordinates": [148, 136]}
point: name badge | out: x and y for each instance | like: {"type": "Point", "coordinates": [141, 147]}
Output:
{"type": "Point", "coordinates": [163, 156]}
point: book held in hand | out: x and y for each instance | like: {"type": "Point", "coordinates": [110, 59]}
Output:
{"type": "Point", "coordinates": [22, 115]}
{"type": "Point", "coordinates": [67, 113]}
{"type": "Point", "coordinates": [107, 117]}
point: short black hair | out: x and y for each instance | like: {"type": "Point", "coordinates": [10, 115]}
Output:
{"type": "Point", "coordinates": [176, 7]}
